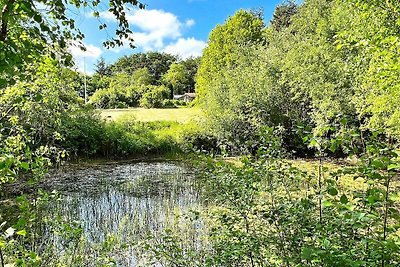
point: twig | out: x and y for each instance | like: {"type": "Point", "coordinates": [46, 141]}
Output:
{"type": "Point", "coordinates": [386, 214]}
{"type": "Point", "coordinates": [5, 14]}
{"type": "Point", "coordinates": [1, 258]}
{"type": "Point", "coordinates": [320, 189]}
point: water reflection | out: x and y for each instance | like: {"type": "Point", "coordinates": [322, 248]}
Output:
{"type": "Point", "coordinates": [135, 199]}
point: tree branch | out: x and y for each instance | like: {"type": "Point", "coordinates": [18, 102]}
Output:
{"type": "Point", "coordinates": [5, 13]}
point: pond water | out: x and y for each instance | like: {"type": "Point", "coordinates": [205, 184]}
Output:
{"type": "Point", "coordinates": [126, 201]}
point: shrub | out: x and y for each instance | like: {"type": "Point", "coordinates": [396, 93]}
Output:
{"type": "Point", "coordinates": [168, 103]}
{"type": "Point", "coordinates": [180, 103]}
{"type": "Point", "coordinates": [154, 96]}
{"type": "Point", "coordinates": [82, 131]}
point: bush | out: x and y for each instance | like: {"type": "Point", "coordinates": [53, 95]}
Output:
{"type": "Point", "coordinates": [154, 96]}
{"type": "Point", "coordinates": [109, 98]}
{"type": "Point", "coordinates": [123, 91]}
{"type": "Point", "coordinates": [129, 137]}
{"type": "Point", "coordinates": [168, 103]}
{"type": "Point", "coordinates": [197, 139]}
{"type": "Point", "coordinates": [180, 103]}
{"type": "Point", "coordinates": [83, 132]}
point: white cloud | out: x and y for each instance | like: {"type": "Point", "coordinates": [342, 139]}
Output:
{"type": "Point", "coordinates": [163, 23]}
{"type": "Point", "coordinates": [87, 57]}
{"type": "Point", "coordinates": [186, 47]}
{"type": "Point", "coordinates": [190, 22]}
{"type": "Point", "coordinates": [91, 51]}
{"type": "Point", "coordinates": [153, 28]}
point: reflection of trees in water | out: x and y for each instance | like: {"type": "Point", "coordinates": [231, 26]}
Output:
{"type": "Point", "coordinates": [130, 201]}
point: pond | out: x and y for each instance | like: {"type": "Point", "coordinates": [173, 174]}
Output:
{"type": "Point", "coordinates": [118, 205]}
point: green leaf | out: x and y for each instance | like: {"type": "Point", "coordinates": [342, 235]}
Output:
{"type": "Point", "coordinates": [378, 164]}
{"type": "Point", "coordinates": [22, 232]}
{"type": "Point", "coordinates": [393, 167]}
{"type": "Point", "coordinates": [327, 203]}
{"type": "Point", "coordinates": [307, 253]}
{"type": "Point", "coordinates": [37, 18]}
{"type": "Point", "coordinates": [25, 166]}
{"type": "Point", "coordinates": [38, 97]}
{"type": "Point", "coordinates": [313, 142]}
{"type": "Point", "coordinates": [33, 255]}
{"type": "Point", "coordinates": [21, 223]}
{"type": "Point", "coordinates": [332, 191]}
{"type": "Point", "coordinates": [395, 197]}
{"type": "Point", "coordinates": [344, 199]}
{"type": "Point", "coordinates": [333, 147]}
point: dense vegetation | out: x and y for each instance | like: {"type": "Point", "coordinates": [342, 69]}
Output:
{"type": "Point", "coordinates": [320, 80]}
{"type": "Point", "coordinates": [147, 80]}
{"type": "Point", "coordinates": [317, 64]}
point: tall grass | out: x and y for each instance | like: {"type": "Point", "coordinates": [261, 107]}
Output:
{"type": "Point", "coordinates": [88, 135]}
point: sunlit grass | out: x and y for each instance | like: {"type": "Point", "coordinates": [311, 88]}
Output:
{"type": "Point", "coordinates": [181, 115]}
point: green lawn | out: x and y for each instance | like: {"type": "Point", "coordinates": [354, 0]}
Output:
{"type": "Point", "coordinates": [181, 115]}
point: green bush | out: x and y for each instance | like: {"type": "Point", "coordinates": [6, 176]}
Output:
{"type": "Point", "coordinates": [82, 131]}
{"type": "Point", "coordinates": [168, 103]}
{"type": "Point", "coordinates": [154, 96]}
{"type": "Point", "coordinates": [123, 91]}
{"type": "Point", "coordinates": [130, 137]}
{"type": "Point", "coordinates": [109, 98]}
{"type": "Point", "coordinates": [180, 103]}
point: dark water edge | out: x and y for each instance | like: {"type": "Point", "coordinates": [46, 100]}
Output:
{"type": "Point", "coordinates": [128, 200]}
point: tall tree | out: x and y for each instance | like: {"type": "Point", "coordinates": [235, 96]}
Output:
{"type": "Point", "coordinates": [101, 67]}
{"type": "Point", "coordinates": [243, 28]}
{"type": "Point", "coordinates": [373, 38]}
{"type": "Point", "coordinates": [29, 29]}
{"type": "Point", "coordinates": [176, 78]}
{"type": "Point", "coordinates": [191, 66]}
{"type": "Point", "coordinates": [156, 63]}
{"type": "Point", "coordinates": [283, 14]}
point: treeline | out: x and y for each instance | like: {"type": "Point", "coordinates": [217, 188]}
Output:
{"type": "Point", "coordinates": [144, 79]}
{"type": "Point", "coordinates": [329, 68]}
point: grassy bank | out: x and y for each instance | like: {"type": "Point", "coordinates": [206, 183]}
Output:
{"type": "Point", "coordinates": [123, 133]}
{"type": "Point", "coordinates": [180, 115]}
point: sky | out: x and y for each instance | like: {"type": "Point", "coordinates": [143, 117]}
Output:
{"type": "Point", "coordinates": [179, 27]}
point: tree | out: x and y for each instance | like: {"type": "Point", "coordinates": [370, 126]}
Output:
{"type": "Point", "coordinates": [29, 29]}
{"type": "Point", "coordinates": [142, 76]}
{"type": "Point", "coordinates": [123, 90]}
{"type": "Point", "coordinates": [283, 14]}
{"type": "Point", "coordinates": [176, 77]}
{"type": "Point", "coordinates": [156, 63]}
{"type": "Point", "coordinates": [154, 96]}
{"type": "Point", "coordinates": [372, 38]}
{"type": "Point", "coordinates": [101, 67]}
{"type": "Point", "coordinates": [242, 29]}
{"type": "Point", "coordinates": [191, 66]}
{"type": "Point", "coordinates": [181, 76]}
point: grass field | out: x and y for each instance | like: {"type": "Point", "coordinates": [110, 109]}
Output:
{"type": "Point", "coordinates": [181, 115]}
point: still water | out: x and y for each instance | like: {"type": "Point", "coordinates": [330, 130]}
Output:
{"type": "Point", "coordinates": [123, 202]}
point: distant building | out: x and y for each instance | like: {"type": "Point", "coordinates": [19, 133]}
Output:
{"type": "Point", "coordinates": [178, 97]}
{"type": "Point", "coordinates": [187, 97]}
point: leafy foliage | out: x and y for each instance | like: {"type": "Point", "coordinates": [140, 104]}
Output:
{"type": "Point", "coordinates": [156, 63]}
{"type": "Point", "coordinates": [30, 28]}
{"type": "Point", "coordinates": [124, 90]}
{"type": "Point", "coordinates": [282, 16]}
{"type": "Point", "coordinates": [181, 76]}
{"type": "Point", "coordinates": [154, 96]}
{"type": "Point", "coordinates": [240, 29]}
{"type": "Point", "coordinates": [315, 63]}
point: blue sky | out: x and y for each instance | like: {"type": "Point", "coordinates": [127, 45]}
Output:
{"type": "Point", "coordinates": [178, 27]}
